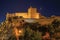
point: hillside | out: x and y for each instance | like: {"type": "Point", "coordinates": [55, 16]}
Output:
{"type": "Point", "coordinates": [19, 29]}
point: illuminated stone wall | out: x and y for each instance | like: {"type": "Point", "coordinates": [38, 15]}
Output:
{"type": "Point", "coordinates": [32, 13]}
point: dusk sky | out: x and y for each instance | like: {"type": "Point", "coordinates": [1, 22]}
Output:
{"type": "Point", "coordinates": [45, 7]}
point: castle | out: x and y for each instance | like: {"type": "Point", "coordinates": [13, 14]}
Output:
{"type": "Point", "coordinates": [32, 13]}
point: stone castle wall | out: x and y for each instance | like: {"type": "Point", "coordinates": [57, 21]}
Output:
{"type": "Point", "coordinates": [32, 13]}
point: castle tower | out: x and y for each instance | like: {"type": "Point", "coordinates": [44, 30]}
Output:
{"type": "Point", "coordinates": [32, 12]}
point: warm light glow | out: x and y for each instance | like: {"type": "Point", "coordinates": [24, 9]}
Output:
{"type": "Point", "coordinates": [20, 31]}
{"type": "Point", "coordinates": [16, 32]}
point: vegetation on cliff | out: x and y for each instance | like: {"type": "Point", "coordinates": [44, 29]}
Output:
{"type": "Point", "coordinates": [32, 31]}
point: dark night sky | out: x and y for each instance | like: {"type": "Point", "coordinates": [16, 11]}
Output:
{"type": "Point", "coordinates": [45, 7]}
